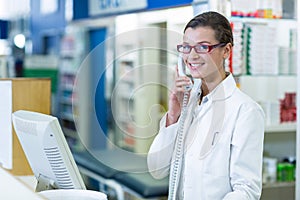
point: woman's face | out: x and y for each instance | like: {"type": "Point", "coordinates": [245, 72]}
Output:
{"type": "Point", "coordinates": [206, 66]}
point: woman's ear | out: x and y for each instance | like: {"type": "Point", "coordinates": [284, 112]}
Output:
{"type": "Point", "coordinates": [227, 50]}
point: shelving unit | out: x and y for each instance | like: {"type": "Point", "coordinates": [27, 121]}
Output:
{"type": "Point", "coordinates": [124, 102]}
{"type": "Point", "coordinates": [136, 91]}
{"type": "Point", "coordinates": [144, 68]}
{"type": "Point", "coordinates": [279, 128]}
{"type": "Point", "coordinates": [279, 184]}
{"type": "Point", "coordinates": [268, 88]}
{"type": "Point", "coordinates": [284, 190]}
{"type": "Point", "coordinates": [66, 103]}
{"type": "Point", "coordinates": [267, 46]}
{"type": "Point", "coordinates": [71, 55]}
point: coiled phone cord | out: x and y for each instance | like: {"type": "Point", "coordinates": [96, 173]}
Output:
{"type": "Point", "coordinates": [179, 149]}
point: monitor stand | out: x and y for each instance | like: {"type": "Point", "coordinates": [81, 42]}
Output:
{"type": "Point", "coordinates": [44, 183]}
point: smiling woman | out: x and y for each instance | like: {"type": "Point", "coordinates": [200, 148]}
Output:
{"type": "Point", "coordinates": [221, 133]}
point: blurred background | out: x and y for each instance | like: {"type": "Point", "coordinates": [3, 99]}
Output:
{"type": "Point", "coordinates": [111, 64]}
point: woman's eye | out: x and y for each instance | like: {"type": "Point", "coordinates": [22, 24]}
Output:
{"type": "Point", "coordinates": [186, 48]}
{"type": "Point", "coordinates": [203, 47]}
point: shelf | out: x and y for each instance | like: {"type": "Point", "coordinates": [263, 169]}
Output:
{"type": "Point", "coordinates": [279, 184]}
{"type": "Point", "coordinates": [66, 100]}
{"type": "Point", "coordinates": [127, 79]}
{"type": "Point", "coordinates": [284, 127]}
{"type": "Point", "coordinates": [125, 118]}
{"type": "Point", "coordinates": [127, 97]}
{"type": "Point", "coordinates": [67, 116]}
{"type": "Point", "coordinates": [67, 55]}
{"type": "Point", "coordinates": [292, 76]}
{"type": "Point", "coordinates": [261, 20]}
{"type": "Point", "coordinates": [70, 132]}
{"type": "Point", "coordinates": [67, 87]}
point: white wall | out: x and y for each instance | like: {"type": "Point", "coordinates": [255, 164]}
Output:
{"type": "Point", "coordinates": [14, 8]}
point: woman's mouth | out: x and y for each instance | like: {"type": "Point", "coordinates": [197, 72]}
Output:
{"type": "Point", "coordinates": [195, 66]}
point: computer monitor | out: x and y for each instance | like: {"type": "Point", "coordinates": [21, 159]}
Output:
{"type": "Point", "coordinates": [47, 151]}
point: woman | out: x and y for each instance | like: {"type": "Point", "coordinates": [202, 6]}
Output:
{"type": "Point", "coordinates": [223, 128]}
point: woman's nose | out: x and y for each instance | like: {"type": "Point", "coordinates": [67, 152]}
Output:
{"type": "Point", "coordinates": [193, 54]}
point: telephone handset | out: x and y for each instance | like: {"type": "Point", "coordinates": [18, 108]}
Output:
{"type": "Point", "coordinates": [181, 67]}
{"type": "Point", "coordinates": [182, 72]}
{"type": "Point", "coordinates": [179, 143]}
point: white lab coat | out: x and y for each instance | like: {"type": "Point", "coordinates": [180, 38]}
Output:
{"type": "Point", "coordinates": [224, 146]}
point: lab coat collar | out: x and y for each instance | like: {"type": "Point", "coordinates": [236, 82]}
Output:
{"type": "Point", "coordinates": [224, 90]}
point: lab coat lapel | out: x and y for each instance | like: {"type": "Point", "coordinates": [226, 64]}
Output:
{"type": "Point", "coordinates": [215, 130]}
{"type": "Point", "coordinates": [218, 98]}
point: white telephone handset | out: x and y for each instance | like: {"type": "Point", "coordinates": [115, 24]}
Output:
{"type": "Point", "coordinates": [179, 144]}
{"type": "Point", "coordinates": [181, 67]}
{"type": "Point", "coordinates": [182, 71]}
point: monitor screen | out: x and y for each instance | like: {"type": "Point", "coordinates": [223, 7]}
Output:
{"type": "Point", "coordinates": [47, 151]}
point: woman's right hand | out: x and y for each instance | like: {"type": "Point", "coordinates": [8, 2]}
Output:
{"type": "Point", "coordinates": [176, 98]}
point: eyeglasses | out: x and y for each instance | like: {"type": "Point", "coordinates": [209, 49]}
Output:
{"type": "Point", "coordinates": [199, 48]}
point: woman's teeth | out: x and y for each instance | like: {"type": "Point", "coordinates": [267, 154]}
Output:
{"type": "Point", "coordinates": [196, 64]}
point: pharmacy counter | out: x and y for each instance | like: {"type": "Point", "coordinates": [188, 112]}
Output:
{"type": "Point", "coordinates": [12, 188]}
{"type": "Point", "coordinates": [121, 171]}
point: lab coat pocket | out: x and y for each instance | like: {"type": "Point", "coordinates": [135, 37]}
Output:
{"type": "Point", "coordinates": [210, 142]}
{"type": "Point", "coordinates": [217, 161]}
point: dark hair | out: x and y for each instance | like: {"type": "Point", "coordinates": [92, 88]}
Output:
{"type": "Point", "coordinates": [218, 22]}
